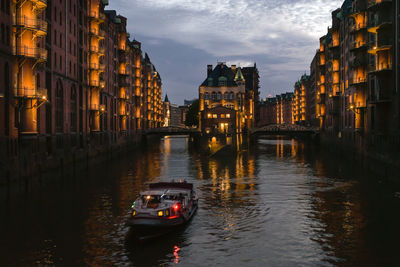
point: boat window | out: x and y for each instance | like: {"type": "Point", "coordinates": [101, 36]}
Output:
{"type": "Point", "coordinates": [151, 201]}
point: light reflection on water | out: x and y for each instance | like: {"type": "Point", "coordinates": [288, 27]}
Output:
{"type": "Point", "coordinates": [278, 202]}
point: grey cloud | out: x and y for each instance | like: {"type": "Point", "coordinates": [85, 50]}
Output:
{"type": "Point", "coordinates": [183, 36]}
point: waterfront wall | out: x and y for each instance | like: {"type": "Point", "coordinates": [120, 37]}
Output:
{"type": "Point", "coordinates": [27, 158]}
{"type": "Point", "coordinates": [378, 154]}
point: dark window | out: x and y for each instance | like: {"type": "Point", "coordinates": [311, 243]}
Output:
{"type": "Point", "coordinates": [59, 107]}
{"type": "Point", "coordinates": [55, 37]}
{"type": "Point", "coordinates": [8, 35]}
{"type": "Point", "coordinates": [60, 40]}
{"type": "Point", "coordinates": [7, 99]}
{"type": "Point", "coordinates": [61, 62]}
{"type": "Point", "coordinates": [60, 18]}
{"type": "Point", "coordinates": [2, 33]}
{"type": "Point", "coordinates": [73, 108]}
{"type": "Point", "coordinates": [55, 60]}
{"type": "Point", "coordinates": [8, 7]}
{"type": "Point", "coordinates": [2, 5]}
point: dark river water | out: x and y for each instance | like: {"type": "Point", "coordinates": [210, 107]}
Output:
{"type": "Point", "coordinates": [277, 203]}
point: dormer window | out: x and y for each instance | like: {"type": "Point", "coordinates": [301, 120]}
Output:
{"type": "Point", "coordinates": [222, 81]}
{"type": "Point", "coordinates": [210, 81]}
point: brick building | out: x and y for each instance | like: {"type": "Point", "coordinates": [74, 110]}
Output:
{"type": "Point", "coordinates": [71, 82]}
{"type": "Point", "coordinates": [224, 93]}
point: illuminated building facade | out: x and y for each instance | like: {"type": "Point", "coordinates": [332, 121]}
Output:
{"type": "Point", "coordinates": [71, 82]}
{"type": "Point", "coordinates": [225, 104]}
{"type": "Point", "coordinates": [357, 75]}
{"type": "Point", "coordinates": [301, 92]}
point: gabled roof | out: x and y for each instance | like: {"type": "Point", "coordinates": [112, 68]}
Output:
{"type": "Point", "coordinates": [220, 72]}
{"type": "Point", "coordinates": [239, 75]}
{"type": "Point", "coordinates": [166, 98]}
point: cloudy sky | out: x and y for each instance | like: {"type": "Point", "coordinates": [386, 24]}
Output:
{"type": "Point", "coordinates": [183, 36]}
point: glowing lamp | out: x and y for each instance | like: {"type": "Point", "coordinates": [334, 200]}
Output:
{"type": "Point", "coordinates": [134, 213]}
{"type": "Point", "coordinates": [176, 207]}
{"type": "Point", "coordinates": [160, 213]}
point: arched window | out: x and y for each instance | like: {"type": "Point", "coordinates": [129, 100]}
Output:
{"type": "Point", "coordinates": [214, 96]}
{"type": "Point", "coordinates": [59, 102]}
{"type": "Point", "coordinates": [206, 96]}
{"type": "Point", "coordinates": [219, 96]}
{"type": "Point", "coordinates": [226, 96]}
{"type": "Point", "coordinates": [73, 107]}
{"type": "Point", "coordinates": [231, 96]}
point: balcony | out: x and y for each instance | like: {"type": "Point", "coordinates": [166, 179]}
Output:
{"type": "Point", "coordinates": [382, 67]}
{"type": "Point", "coordinates": [30, 92]}
{"type": "Point", "coordinates": [97, 66]}
{"type": "Point", "coordinates": [97, 16]}
{"type": "Point", "coordinates": [123, 72]}
{"type": "Point", "coordinates": [40, 4]}
{"type": "Point", "coordinates": [358, 81]}
{"type": "Point", "coordinates": [38, 25]}
{"type": "Point", "coordinates": [30, 52]}
{"type": "Point", "coordinates": [376, 4]}
{"type": "Point", "coordinates": [97, 50]}
{"type": "Point", "coordinates": [94, 107]}
{"type": "Point", "coordinates": [379, 22]}
{"type": "Point", "coordinates": [94, 83]}
{"type": "Point", "coordinates": [97, 33]}
{"type": "Point", "coordinates": [358, 45]}
{"type": "Point", "coordinates": [358, 27]}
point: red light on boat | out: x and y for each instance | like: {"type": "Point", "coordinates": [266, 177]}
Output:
{"type": "Point", "coordinates": [176, 207]}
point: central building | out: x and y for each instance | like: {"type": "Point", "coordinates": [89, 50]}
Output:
{"type": "Point", "coordinates": [225, 104]}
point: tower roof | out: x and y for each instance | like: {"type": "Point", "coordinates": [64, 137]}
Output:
{"type": "Point", "coordinates": [166, 98]}
{"type": "Point", "coordinates": [239, 76]}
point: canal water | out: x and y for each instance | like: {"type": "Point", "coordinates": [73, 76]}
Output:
{"type": "Point", "coordinates": [277, 203]}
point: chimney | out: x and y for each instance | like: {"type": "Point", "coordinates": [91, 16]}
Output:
{"type": "Point", "coordinates": [233, 67]}
{"type": "Point", "coordinates": [209, 70]}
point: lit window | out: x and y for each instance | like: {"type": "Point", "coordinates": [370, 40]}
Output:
{"type": "Point", "coordinates": [222, 116]}
{"type": "Point", "coordinates": [215, 116]}
{"type": "Point", "coordinates": [228, 116]}
{"type": "Point", "coordinates": [209, 115]}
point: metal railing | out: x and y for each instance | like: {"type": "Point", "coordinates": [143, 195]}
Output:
{"type": "Point", "coordinates": [97, 49]}
{"type": "Point", "coordinates": [31, 52]}
{"type": "Point", "coordinates": [30, 23]}
{"type": "Point", "coordinates": [358, 80]}
{"type": "Point", "coordinates": [358, 26]}
{"type": "Point", "coordinates": [30, 92]}
{"type": "Point", "coordinates": [356, 45]}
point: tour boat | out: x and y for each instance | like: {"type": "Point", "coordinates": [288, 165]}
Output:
{"type": "Point", "coordinates": [164, 205]}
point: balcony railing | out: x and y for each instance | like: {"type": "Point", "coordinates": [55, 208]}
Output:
{"type": "Point", "coordinates": [97, 15]}
{"type": "Point", "coordinates": [97, 32]}
{"type": "Point", "coordinates": [123, 72]}
{"type": "Point", "coordinates": [96, 66]}
{"type": "Point", "coordinates": [357, 45]}
{"type": "Point", "coordinates": [97, 49]}
{"type": "Point", "coordinates": [30, 52]}
{"type": "Point", "coordinates": [30, 92]}
{"type": "Point", "coordinates": [358, 26]}
{"type": "Point", "coordinates": [30, 23]}
{"type": "Point", "coordinates": [358, 80]}
{"type": "Point", "coordinates": [381, 67]}
{"type": "Point", "coordinates": [94, 107]}
{"type": "Point", "coordinates": [94, 83]}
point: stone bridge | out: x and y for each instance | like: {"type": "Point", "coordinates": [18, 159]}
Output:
{"type": "Point", "coordinates": [285, 129]}
{"type": "Point", "coordinates": [172, 130]}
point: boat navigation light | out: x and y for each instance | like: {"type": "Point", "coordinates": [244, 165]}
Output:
{"type": "Point", "coordinates": [176, 207]}
{"type": "Point", "coordinates": [148, 197]}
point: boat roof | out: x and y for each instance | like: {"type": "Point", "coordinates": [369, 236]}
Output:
{"type": "Point", "coordinates": [170, 185]}
{"type": "Point", "coordinates": [165, 191]}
